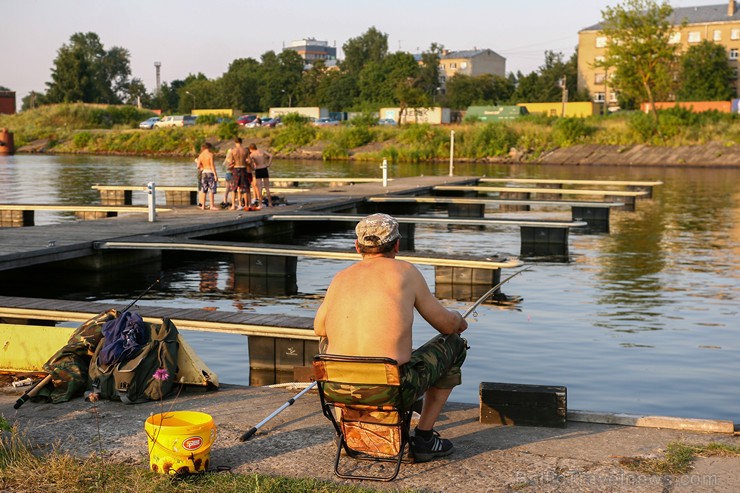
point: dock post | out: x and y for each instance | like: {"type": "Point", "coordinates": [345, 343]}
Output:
{"type": "Point", "coordinates": [384, 167]}
{"type": "Point", "coordinates": [452, 151]}
{"type": "Point", "coordinates": [151, 192]}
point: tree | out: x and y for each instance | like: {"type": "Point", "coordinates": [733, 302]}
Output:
{"type": "Point", "coordinates": [372, 46]}
{"type": "Point", "coordinates": [280, 77]}
{"type": "Point", "coordinates": [545, 85]}
{"type": "Point", "coordinates": [640, 50]}
{"type": "Point", "coordinates": [705, 74]}
{"type": "Point", "coordinates": [429, 70]}
{"type": "Point", "coordinates": [378, 81]}
{"type": "Point", "coordinates": [32, 100]}
{"type": "Point", "coordinates": [487, 89]}
{"type": "Point", "coordinates": [238, 87]}
{"type": "Point", "coordinates": [84, 71]}
{"type": "Point", "coordinates": [137, 94]}
{"type": "Point", "coordinates": [336, 91]}
{"type": "Point", "coordinates": [308, 89]}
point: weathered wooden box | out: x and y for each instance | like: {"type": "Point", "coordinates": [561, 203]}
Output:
{"type": "Point", "coordinates": [523, 405]}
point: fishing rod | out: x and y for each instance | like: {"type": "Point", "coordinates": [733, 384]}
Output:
{"type": "Point", "coordinates": [246, 436]}
{"type": "Point", "coordinates": [33, 391]}
{"type": "Point", "coordinates": [156, 281]}
{"type": "Point", "coordinates": [491, 291]}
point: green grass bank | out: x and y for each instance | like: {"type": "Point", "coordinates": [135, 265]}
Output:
{"type": "Point", "coordinates": [98, 129]}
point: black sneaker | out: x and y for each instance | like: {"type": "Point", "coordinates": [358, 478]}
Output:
{"type": "Point", "coordinates": [426, 450]}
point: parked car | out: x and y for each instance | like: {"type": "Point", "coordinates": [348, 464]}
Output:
{"type": "Point", "coordinates": [149, 123]}
{"type": "Point", "coordinates": [386, 121]}
{"type": "Point", "coordinates": [175, 121]}
{"type": "Point", "coordinates": [274, 122]}
{"type": "Point", "coordinates": [257, 122]}
{"type": "Point", "coordinates": [244, 119]}
{"type": "Point", "coordinates": [322, 122]}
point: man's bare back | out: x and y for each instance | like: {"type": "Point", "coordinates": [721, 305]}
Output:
{"type": "Point", "coordinates": [369, 309]}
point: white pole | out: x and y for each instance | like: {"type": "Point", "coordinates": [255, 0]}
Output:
{"type": "Point", "coordinates": [452, 151]}
{"type": "Point", "coordinates": [151, 192]}
{"type": "Point", "coordinates": [384, 167]}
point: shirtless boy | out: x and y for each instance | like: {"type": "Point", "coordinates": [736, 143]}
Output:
{"type": "Point", "coordinates": [369, 310]}
{"type": "Point", "coordinates": [261, 161]}
{"type": "Point", "coordinates": [209, 176]}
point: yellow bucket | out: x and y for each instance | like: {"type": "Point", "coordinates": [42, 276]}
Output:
{"type": "Point", "coordinates": [180, 442]}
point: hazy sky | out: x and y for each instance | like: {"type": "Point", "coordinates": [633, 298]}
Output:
{"type": "Point", "coordinates": [189, 36]}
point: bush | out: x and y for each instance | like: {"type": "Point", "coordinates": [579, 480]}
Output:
{"type": "Point", "coordinates": [81, 140]}
{"type": "Point", "coordinates": [492, 139]}
{"type": "Point", "coordinates": [366, 119]}
{"type": "Point", "coordinates": [643, 125]}
{"type": "Point", "coordinates": [353, 136]}
{"type": "Point", "coordinates": [294, 119]}
{"type": "Point", "coordinates": [570, 131]}
{"type": "Point", "coordinates": [227, 130]}
{"type": "Point", "coordinates": [334, 151]}
{"type": "Point", "coordinates": [296, 133]}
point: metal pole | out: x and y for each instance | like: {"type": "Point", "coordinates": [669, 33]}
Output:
{"type": "Point", "coordinates": [151, 191]}
{"type": "Point", "coordinates": [452, 151]}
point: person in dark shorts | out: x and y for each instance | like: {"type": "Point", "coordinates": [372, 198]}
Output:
{"type": "Point", "coordinates": [239, 157]}
{"type": "Point", "coordinates": [368, 310]}
{"type": "Point", "coordinates": [261, 161]}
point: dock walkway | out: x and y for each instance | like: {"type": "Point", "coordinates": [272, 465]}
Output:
{"type": "Point", "coordinates": [22, 247]}
{"type": "Point", "coordinates": [241, 323]}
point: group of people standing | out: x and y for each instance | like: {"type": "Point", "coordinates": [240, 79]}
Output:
{"type": "Point", "coordinates": [246, 172]}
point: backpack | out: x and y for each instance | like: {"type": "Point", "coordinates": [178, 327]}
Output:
{"type": "Point", "coordinates": [132, 381]}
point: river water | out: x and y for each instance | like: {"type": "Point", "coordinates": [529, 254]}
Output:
{"type": "Point", "coordinates": [644, 320]}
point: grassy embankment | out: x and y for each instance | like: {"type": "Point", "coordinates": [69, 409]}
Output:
{"type": "Point", "coordinates": [94, 129]}
{"type": "Point", "coordinates": [24, 470]}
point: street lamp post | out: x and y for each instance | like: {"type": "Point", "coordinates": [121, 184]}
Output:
{"type": "Point", "coordinates": [191, 95]}
{"type": "Point", "coordinates": [290, 98]}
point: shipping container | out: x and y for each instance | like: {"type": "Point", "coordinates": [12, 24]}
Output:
{"type": "Point", "coordinates": [495, 113]}
{"type": "Point", "coordinates": [434, 116]}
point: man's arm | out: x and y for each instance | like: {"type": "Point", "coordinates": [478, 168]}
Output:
{"type": "Point", "coordinates": [444, 320]}
{"type": "Point", "coordinates": [318, 322]}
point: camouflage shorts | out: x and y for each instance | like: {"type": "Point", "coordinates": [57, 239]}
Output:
{"type": "Point", "coordinates": [435, 364]}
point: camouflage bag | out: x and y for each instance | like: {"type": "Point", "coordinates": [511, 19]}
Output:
{"type": "Point", "coordinates": [69, 366]}
{"type": "Point", "coordinates": [132, 381]}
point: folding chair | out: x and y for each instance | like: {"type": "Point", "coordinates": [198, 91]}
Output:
{"type": "Point", "coordinates": [362, 398]}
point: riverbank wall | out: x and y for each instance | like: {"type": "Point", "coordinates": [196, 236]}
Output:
{"type": "Point", "coordinates": [709, 155]}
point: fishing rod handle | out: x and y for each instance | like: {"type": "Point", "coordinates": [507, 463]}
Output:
{"type": "Point", "coordinates": [32, 392]}
{"type": "Point", "coordinates": [248, 434]}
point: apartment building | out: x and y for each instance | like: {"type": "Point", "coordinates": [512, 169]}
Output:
{"type": "Point", "coordinates": [311, 50]}
{"type": "Point", "coordinates": [470, 62]}
{"type": "Point", "coordinates": [717, 23]}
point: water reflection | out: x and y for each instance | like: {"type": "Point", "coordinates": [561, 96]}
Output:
{"type": "Point", "coordinates": [617, 324]}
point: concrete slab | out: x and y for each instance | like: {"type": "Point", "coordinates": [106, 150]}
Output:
{"type": "Point", "coordinates": [299, 442]}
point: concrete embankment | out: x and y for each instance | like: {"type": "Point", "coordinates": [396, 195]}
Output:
{"type": "Point", "coordinates": [712, 154]}
{"type": "Point", "coordinates": [299, 442]}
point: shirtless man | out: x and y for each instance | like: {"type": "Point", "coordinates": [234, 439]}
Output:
{"type": "Point", "coordinates": [369, 310]}
{"type": "Point", "coordinates": [209, 176]}
{"type": "Point", "coordinates": [239, 157]}
{"type": "Point", "coordinates": [261, 161]}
